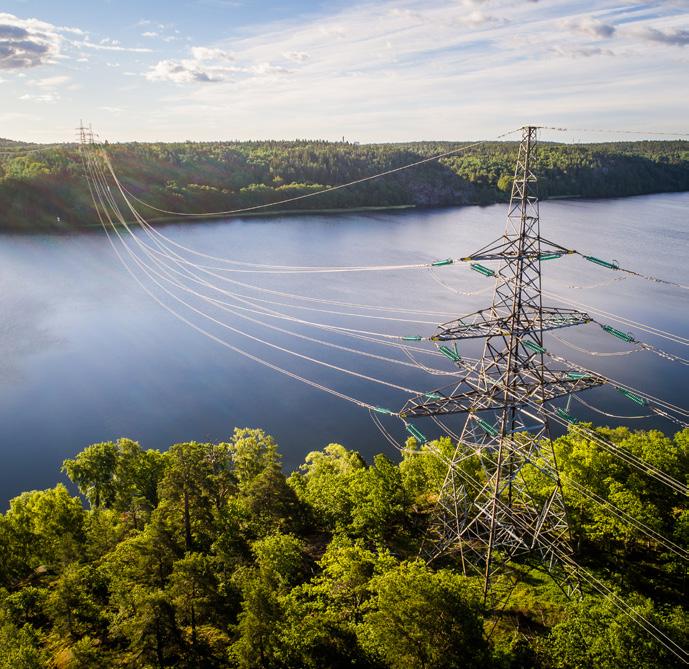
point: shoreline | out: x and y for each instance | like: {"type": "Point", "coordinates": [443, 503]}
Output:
{"type": "Point", "coordinates": [162, 221]}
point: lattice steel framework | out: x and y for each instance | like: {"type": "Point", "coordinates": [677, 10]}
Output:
{"type": "Point", "coordinates": [502, 497]}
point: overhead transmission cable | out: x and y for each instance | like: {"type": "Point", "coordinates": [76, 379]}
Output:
{"type": "Point", "coordinates": [649, 329]}
{"type": "Point", "coordinates": [642, 465]}
{"type": "Point", "coordinates": [271, 312]}
{"type": "Point", "coordinates": [164, 250]}
{"type": "Point", "coordinates": [640, 620]}
{"type": "Point", "coordinates": [147, 271]}
{"type": "Point", "coordinates": [616, 131]}
{"type": "Point", "coordinates": [206, 333]}
{"type": "Point", "coordinates": [331, 189]}
{"type": "Point", "coordinates": [234, 309]}
{"type": "Point", "coordinates": [644, 277]}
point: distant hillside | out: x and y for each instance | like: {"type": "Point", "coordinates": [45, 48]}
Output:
{"type": "Point", "coordinates": [40, 187]}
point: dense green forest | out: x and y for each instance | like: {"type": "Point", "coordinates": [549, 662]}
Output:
{"type": "Point", "coordinates": [207, 555]}
{"type": "Point", "coordinates": [47, 189]}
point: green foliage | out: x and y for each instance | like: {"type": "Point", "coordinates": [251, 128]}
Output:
{"type": "Point", "coordinates": [118, 475]}
{"type": "Point", "coordinates": [44, 528]}
{"type": "Point", "coordinates": [208, 556]}
{"type": "Point", "coordinates": [323, 482]}
{"type": "Point", "coordinates": [420, 619]}
{"type": "Point", "coordinates": [648, 501]}
{"type": "Point", "coordinates": [37, 189]}
{"type": "Point", "coordinates": [598, 635]}
{"type": "Point", "coordinates": [20, 647]}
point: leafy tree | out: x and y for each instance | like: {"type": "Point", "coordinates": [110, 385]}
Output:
{"type": "Point", "coordinates": [46, 527]}
{"type": "Point", "coordinates": [117, 475]}
{"type": "Point", "coordinates": [280, 564]}
{"type": "Point", "coordinates": [93, 471]}
{"type": "Point", "coordinates": [379, 501]}
{"type": "Point", "coordinates": [197, 481]}
{"type": "Point", "coordinates": [20, 647]}
{"type": "Point", "coordinates": [596, 634]}
{"type": "Point", "coordinates": [200, 609]}
{"type": "Point", "coordinates": [422, 619]}
{"type": "Point", "coordinates": [38, 189]}
{"type": "Point", "coordinates": [323, 482]}
{"type": "Point", "coordinates": [75, 603]}
{"type": "Point", "coordinates": [206, 556]}
{"type": "Point", "coordinates": [252, 453]}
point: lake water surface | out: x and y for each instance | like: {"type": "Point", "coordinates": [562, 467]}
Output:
{"type": "Point", "coordinates": [88, 356]}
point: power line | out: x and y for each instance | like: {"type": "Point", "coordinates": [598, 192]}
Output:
{"type": "Point", "coordinates": [486, 387]}
{"type": "Point", "coordinates": [394, 170]}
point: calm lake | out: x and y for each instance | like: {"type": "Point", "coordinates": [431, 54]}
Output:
{"type": "Point", "coordinates": [88, 355]}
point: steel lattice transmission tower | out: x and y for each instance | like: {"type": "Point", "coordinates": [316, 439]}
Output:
{"type": "Point", "coordinates": [502, 497]}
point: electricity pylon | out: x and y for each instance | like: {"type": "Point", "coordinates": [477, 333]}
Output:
{"type": "Point", "coordinates": [502, 497]}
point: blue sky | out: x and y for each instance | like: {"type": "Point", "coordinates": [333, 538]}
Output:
{"type": "Point", "coordinates": [369, 71]}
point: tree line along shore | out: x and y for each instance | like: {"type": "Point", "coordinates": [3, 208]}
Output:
{"type": "Point", "coordinates": [45, 189]}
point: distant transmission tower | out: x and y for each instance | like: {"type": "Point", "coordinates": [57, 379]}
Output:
{"type": "Point", "coordinates": [493, 506]}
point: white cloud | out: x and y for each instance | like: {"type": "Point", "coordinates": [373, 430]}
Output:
{"type": "Point", "coordinates": [203, 53]}
{"type": "Point", "coordinates": [209, 65]}
{"type": "Point", "coordinates": [582, 51]}
{"type": "Point", "coordinates": [591, 27]}
{"type": "Point", "coordinates": [51, 82]}
{"type": "Point", "coordinates": [673, 36]}
{"type": "Point", "coordinates": [180, 72]}
{"type": "Point", "coordinates": [113, 45]}
{"type": "Point", "coordinates": [387, 70]}
{"type": "Point", "coordinates": [26, 43]}
{"type": "Point", "coordinates": [297, 56]}
{"type": "Point", "coordinates": [150, 33]}
{"type": "Point", "coordinates": [381, 74]}
{"type": "Point", "coordinates": [48, 98]}
{"type": "Point", "coordinates": [267, 68]}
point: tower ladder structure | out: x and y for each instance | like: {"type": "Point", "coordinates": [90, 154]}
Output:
{"type": "Point", "coordinates": [502, 497]}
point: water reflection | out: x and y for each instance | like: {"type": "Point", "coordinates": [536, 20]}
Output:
{"type": "Point", "coordinates": [88, 356]}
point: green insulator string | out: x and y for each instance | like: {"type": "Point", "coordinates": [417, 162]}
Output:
{"type": "Point", "coordinates": [450, 354]}
{"type": "Point", "coordinates": [603, 263]}
{"type": "Point", "coordinates": [565, 415]}
{"type": "Point", "coordinates": [487, 427]}
{"type": "Point", "coordinates": [482, 270]}
{"type": "Point", "coordinates": [624, 336]}
{"type": "Point", "coordinates": [632, 396]}
{"type": "Point", "coordinates": [532, 345]}
{"type": "Point", "coordinates": [416, 433]}
{"type": "Point", "coordinates": [383, 410]}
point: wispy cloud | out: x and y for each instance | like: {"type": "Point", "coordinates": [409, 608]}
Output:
{"type": "Point", "coordinates": [410, 69]}
{"type": "Point", "coordinates": [383, 70]}
{"type": "Point", "coordinates": [113, 45]}
{"type": "Point", "coordinates": [590, 26]}
{"type": "Point", "coordinates": [51, 82]}
{"type": "Point", "coordinates": [297, 56]}
{"type": "Point", "coordinates": [203, 53]}
{"type": "Point", "coordinates": [48, 98]}
{"type": "Point", "coordinates": [183, 72]}
{"type": "Point", "coordinates": [210, 65]}
{"type": "Point", "coordinates": [673, 36]}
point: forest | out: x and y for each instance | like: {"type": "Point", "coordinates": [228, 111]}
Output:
{"type": "Point", "coordinates": [45, 188]}
{"type": "Point", "coordinates": [209, 555]}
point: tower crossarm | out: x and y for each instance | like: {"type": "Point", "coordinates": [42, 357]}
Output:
{"type": "Point", "coordinates": [506, 249]}
{"type": "Point", "coordinates": [486, 323]}
{"type": "Point", "coordinates": [469, 397]}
